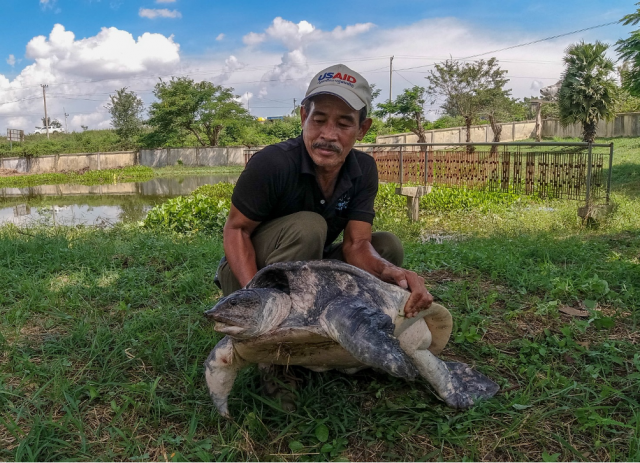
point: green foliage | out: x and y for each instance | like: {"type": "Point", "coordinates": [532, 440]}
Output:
{"type": "Point", "coordinates": [205, 210]}
{"type": "Point", "coordinates": [91, 177]}
{"type": "Point", "coordinates": [90, 141]}
{"type": "Point", "coordinates": [126, 110]}
{"type": "Point", "coordinates": [629, 50]}
{"type": "Point", "coordinates": [469, 89]}
{"type": "Point", "coordinates": [588, 93]}
{"type": "Point", "coordinates": [445, 122]}
{"type": "Point", "coordinates": [252, 132]}
{"type": "Point", "coordinates": [409, 108]}
{"type": "Point", "coordinates": [197, 108]}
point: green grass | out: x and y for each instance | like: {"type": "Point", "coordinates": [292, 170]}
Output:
{"type": "Point", "coordinates": [90, 141]}
{"type": "Point", "coordinates": [90, 177]}
{"type": "Point", "coordinates": [102, 342]}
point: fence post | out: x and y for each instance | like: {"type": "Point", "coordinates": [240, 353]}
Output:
{"type": "Point", "coordinates": [426, 165]}
{"type": "Point", "coordinates": [610, 169]}
{"type": "Point", "coordinates": [589, 161]}
{"type": "Point", "coordinates": [401, 167]}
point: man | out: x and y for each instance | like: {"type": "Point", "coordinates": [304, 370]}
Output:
{"type": "Point", "coordinates": [294, 198]}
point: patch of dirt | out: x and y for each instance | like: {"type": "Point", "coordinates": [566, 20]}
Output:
{"type": "Point", "coordinates": [441, 276]}
{"type": "Point", "coordinates": [10, 173]}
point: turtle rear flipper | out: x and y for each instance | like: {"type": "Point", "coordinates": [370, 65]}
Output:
{"type": "Point", "coordinates": [456, 383]}
{"type": "Point", "coordinates": [367, 334]}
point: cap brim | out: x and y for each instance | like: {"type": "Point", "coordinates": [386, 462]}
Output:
{"type": "Point", "coordinates": [344, 94]}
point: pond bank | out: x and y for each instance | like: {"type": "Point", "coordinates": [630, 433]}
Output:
{"type": "Point", "coordinates": [194, 157]}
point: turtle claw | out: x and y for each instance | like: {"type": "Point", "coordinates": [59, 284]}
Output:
{"type": "Point", "coordinates": [469, 386]}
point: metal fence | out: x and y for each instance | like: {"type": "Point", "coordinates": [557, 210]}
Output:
{"type": "Point", "coordinates": [557, 170]}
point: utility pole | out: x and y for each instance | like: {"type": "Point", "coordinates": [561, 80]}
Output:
{"type": "Point", "coordinates": [390, 77]}
{"type": "Point", "coordinates": [46, 119]}
{"type": "Point", "coordinates": [65, 120]}
{"type": "Point", "coordinates": [294, 106]}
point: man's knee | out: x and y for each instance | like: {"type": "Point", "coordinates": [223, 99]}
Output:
{"type": "Point", "coordinates": [299, 236]}
{"type": "Point", "coordinates": [389, 247]}
{"type": "Point", "coordinates": [305, 227]}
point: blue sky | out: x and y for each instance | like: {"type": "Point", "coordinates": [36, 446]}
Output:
{"type": "Point", "coordinates": [268, 50]}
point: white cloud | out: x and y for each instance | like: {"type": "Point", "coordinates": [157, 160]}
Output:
{"type": "Point", "coordinates": [231, 64]}
{"type": "Point", "coordinates": [82, 72]}
{"type": "Point", "coordinates": [253, 39]}
{"type": "Point", "coordinates": [220, 37]}
{"type": "Point", "coordinates": [245, 98]}
{"type": "Point", "coordinates": [47, 4]}
{"type": "Point", "coordinates": [153, 13]}
{"type": "Point", "coordinates": [11, 60]}
{"type": "Point", "coordinates": [274, 64]}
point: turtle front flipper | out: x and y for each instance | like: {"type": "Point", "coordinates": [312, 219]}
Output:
{"type": "Point", "coordinates": [220, 371]}
{"type": "Point", "coordinates": [456, 383]}
{"type": "Point", "coordinates": [367, 334]}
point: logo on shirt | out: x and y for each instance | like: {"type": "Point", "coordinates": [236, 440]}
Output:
{"type": "Point", "coordinates": [343, 202]}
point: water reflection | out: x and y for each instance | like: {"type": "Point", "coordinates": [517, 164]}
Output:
{"type": "Point", "coordinates": [99, 205]}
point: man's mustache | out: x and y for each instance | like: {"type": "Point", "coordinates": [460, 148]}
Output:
{"type": "Point", "coordinates": [326, 146]}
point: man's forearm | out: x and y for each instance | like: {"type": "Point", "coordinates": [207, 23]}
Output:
{"type": "Point", "coordinates": [240, 254]}
{"type": "Point", "coordinates": [362, 254]}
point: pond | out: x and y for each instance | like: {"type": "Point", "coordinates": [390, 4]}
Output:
{"type": "Point", "coordinates": [95, 205]}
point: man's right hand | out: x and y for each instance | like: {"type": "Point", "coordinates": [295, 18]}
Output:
{"type": "Point", "coordinates": [420, 298]}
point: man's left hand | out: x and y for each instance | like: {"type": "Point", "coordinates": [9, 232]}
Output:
{"type": "Point", "coordinates": [420, 298]}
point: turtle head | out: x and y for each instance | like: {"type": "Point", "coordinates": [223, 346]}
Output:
{"type": "Point", "coordinates": [250, 312]}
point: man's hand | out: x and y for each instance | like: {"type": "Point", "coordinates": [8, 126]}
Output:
{"type": "Point", "coordinates": [420, 298]}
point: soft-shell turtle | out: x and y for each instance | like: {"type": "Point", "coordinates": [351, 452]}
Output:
{"type": "Point", "coordinates": [327, 314]}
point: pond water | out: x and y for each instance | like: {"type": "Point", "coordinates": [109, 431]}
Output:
{"type": "Point", "coordinates": [95, 205]}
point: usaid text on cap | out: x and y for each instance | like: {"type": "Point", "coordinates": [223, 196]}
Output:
{"type": "Point", "coordinates": [338, 76]}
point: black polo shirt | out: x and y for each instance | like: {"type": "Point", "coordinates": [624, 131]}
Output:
{"type": "Point", "coordinates": [281, 180]}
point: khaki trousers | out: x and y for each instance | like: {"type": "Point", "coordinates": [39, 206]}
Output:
{"type": "Point", "coordinates": [301, 236]}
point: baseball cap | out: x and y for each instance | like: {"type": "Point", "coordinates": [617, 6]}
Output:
{"type": "Point", "coordinates": [344, 83]}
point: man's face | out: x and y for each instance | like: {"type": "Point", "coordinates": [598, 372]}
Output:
{"type": "Point", "coordinates": [330, 130]}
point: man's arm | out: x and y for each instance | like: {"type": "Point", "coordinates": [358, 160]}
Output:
{"type": "Point", "coordinates": [238, 247]}
{"type": "Point", "coordinates": [358, 250]}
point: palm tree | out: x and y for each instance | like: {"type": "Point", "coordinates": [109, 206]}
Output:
{"type": "Point", "coordinates": [588, 92]}
{"type": "Point", "coordinates": [629, 50]}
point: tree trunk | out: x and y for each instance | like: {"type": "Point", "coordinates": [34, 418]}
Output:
{"type": "Point", "coordinates": [197, 136]}
{"type": "Point", "coordinates": [589, 130]}
{"type": "Point", "coordinates": [419, 130]}
{"type": "Point", "coordinates": [497, 133]}
{"type": "Point", "coordinates": [467, 121]}
{"type": "Point", "coordinates": [422, 135]}
{"type": "Point", "coordinates": [538, 122]}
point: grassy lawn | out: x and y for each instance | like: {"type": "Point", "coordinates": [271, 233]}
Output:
{"type": "Point", "coordinates": [102, 342]}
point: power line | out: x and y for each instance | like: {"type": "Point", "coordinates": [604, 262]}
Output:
{"type": "Point", "coordinates": [519, 45]}
{"type": "Point", "coordinates": [543, 40]}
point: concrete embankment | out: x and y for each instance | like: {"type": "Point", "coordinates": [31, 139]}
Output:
{"type": "Point", "coordinates": [204, 157]}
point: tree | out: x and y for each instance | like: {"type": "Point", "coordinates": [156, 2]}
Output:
{"type": "Point", "coordinates": [199, 108]}
{"type": "Point", "coordinates": [629, 50]}
{"type": "Point", "coordinates": [126, 114]}
{"type": "Point", "coordinates": [588, 92]}
{"type": "Point", "coordinates": [467, 88]}
{"type": "Point", "coordinates": [409, 106]}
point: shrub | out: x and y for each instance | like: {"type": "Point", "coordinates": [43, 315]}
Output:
{"type": "Point", "coordinates": [204, 210]}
